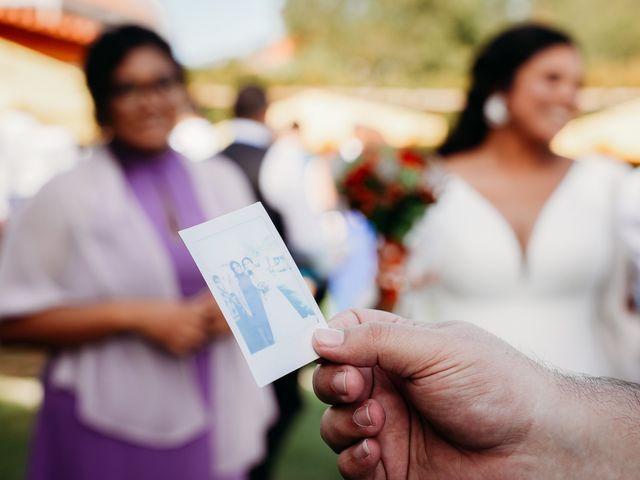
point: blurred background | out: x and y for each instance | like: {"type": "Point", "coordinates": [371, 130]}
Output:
{"type": "Point", "coordinates": [346, 72]}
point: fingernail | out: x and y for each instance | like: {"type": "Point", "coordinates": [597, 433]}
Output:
{"type": "Point", "coordinates": [339, 383]}
{"type": "Point", "coordinates": [329, 337]}
{"type": "Point", "coordinates": [361, 417]}
{"type": "Point", "coordinates": [362, 451]}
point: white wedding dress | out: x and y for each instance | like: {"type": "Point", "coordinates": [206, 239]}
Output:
{"type": "Point", "coordinates": [556, 302]}
{"type": "Point", "coordinates": [284, 319]}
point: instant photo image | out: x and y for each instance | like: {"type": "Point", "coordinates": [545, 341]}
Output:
{"type": "Point", "coordinates": [259, 289]}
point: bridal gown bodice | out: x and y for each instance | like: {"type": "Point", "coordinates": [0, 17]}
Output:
{"type": "Point", "coordinates": [549, 300]}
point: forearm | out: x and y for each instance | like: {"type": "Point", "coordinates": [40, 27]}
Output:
{"type": "Point", "coordinates": [70, 326]}
{"type": "Point", "coordinates": [595, 424]}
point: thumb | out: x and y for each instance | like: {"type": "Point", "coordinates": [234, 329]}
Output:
{"type": "Point", "coordinates": [394, 344]}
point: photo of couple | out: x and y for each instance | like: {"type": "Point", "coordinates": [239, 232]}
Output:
{"type": "Point", "coordinates": [264, 305]}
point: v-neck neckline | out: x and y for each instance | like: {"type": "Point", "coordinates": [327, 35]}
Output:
{"type": "Point", "coordinates": [524, 249]}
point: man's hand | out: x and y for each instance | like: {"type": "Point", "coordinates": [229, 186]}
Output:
{"type": "Point", "coordinates": [416, 400]}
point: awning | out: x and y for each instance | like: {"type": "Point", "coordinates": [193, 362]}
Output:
{"type": "Point", "coordinates": [51, 90]}
{"type": "Point", "coordinates": [328, 119]}
{"type": "Point", "coordinates": [614, 131]}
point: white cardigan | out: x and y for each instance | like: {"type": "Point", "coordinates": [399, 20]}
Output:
{"type": "Point", "coordinates": [84, 238]}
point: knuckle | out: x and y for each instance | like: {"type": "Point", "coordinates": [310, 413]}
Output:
{"type": "Point", "coordinates": [346, 466]}
{"type": "Point", "coordinates": [316, 379]}
{"type": "Point", "coordinates": [323, 427]}
{"type": "Point", "coordinates": [378, 333]}
{"type": "Point", "coordinates": [327, 430]}
{"type": "Point", "coordinates": [330, 431]}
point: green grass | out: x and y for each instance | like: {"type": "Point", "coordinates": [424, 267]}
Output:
{"type": "Point", "coordinates": [304, 455]}
{"type": "Point", "coordinates": [15, 426]}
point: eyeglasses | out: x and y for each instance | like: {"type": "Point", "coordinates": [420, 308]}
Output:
{"type": "Point", "coordinates": [128, 91]}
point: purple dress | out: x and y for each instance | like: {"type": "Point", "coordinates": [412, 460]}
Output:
{"type": "Point", "coordinates": [65, 449]}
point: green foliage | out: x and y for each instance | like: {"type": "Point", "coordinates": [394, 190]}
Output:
{"type": "Point", "coordinates": [606, 30]}
{"type": "Point", "coordinates": [424, 42]}
{"type": "Point", "coordinates": [607, 33]}
{"type": "Point", "coordinates": [384, 42]}
{"type": "Point", "coordinates": [387, 187]}
{"type": "Point", "coordinates": [397, 221]}
{"type": "Point", "coordinates": [413, 43]}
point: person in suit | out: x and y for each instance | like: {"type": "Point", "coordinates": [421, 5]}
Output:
{"type": "Point", "coordinates": [252, 139]}
{"type": "Point", "coordinates": [253, 298]}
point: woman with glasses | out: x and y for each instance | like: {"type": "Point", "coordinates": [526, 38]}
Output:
{"type": "Point", "coordinates": [144, 380]}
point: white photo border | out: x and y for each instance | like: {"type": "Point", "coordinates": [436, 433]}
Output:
{"type": "Point", "coordinates": [283, 357]}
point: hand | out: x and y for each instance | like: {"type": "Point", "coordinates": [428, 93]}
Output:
{"type": "Point", "coordinates": [393, 273]}
{"type": "Point", "coordinates": [178, 327]}
{"type": "Point", "coordinates": [311, 285]}
{"type": "Point", "coordinates": [416, 400]}
{"type": "Point", "coordinates": [207, 306]}
{"type": "Point", "coordinates": [391, 266]}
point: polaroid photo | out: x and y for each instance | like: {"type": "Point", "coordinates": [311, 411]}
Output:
{"type": "Point", "coordinates": [259, 289]}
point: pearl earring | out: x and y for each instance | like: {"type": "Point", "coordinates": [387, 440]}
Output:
{"type": "Point", "coordinates": [495, 111]}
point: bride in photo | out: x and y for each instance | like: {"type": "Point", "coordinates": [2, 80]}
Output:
{"type": "Point", "coordinates": [287, 314]}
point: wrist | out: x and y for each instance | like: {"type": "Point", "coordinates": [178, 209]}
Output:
{"type": "Point", "coordinates": [589, 428]}
{"type": "Point", "coordinates": [131, 317]}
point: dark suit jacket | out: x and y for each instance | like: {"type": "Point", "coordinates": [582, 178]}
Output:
{"type": "Point", "coordinates": [249, 158]}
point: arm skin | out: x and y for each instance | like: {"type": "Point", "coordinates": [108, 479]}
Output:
{"type": "Point", "coordinates": [178, 327]}
{"type": "Point", "coordinates": [415, 400]}
{"type": "Point", "coordinates": [69, 326]}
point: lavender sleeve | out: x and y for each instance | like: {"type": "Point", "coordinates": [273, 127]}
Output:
{"type": "Point", "coordinates": [36, 260]}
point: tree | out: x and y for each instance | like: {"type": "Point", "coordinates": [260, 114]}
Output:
{"type": "Point", "coordinates": [389, 42]}
{"type": "Point", "coordinates": [418, 42]}
{"type": "Point", "coordinates": [412, 43]}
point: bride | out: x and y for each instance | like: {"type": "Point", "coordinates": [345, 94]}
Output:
{"type": "Point", "coordinates": [287, 314]}
{"type": "Point", "coordinates": [522, 241]}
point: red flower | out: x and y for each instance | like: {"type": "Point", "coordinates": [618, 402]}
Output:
{"type": "Point", "coordinates": [409, 158]}
{"type": "Point", "coordinates": [393, 201]}
{"type": "Point", "coordinates": [358, 174]}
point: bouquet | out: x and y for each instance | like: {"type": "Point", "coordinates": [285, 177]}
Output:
{"type": "Point", "coordinates": [390, 188]}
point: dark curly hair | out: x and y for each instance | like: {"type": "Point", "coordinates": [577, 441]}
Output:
{"type": "Point", "coordinates": [108, 51]}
